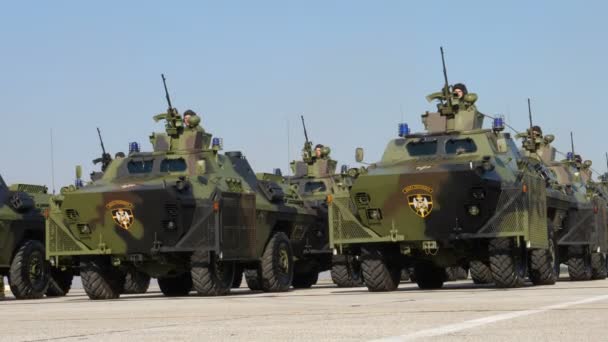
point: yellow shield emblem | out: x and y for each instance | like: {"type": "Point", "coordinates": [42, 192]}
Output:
{"type": "Point", "coordinates": [421, 204]}
{"type": "Point", "coordinates": [123, 217]}
{"type": "Point", "coordinates": [122, 214]}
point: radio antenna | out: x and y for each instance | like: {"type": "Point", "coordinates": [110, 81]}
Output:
{"type": "Point", "coordinates": [52, 163]}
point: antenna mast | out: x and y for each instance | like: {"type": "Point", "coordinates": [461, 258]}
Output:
{"type": "Point", "coordinates": [52, 163]}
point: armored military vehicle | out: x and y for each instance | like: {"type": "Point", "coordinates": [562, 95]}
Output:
{"type": "Point", "coordinates": [185, 213]}
{"type": "Point", "coordinates": [315, 179]}
{"type": "Point", "coordinates": [452, 195]}
{"type": "Point", "coordinates": [22, 260]}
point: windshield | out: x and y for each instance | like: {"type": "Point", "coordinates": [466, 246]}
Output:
{"type": "Point", "coordinates": [421, 148]}
{"type": "Point", "coordinates": [314, 187]}
{"type": "Point", "coordinates": [459, 146]}
{"type": "Point", "coordinates": [173, 165]}
{"type": "Point", "coordinates": [140, 166]}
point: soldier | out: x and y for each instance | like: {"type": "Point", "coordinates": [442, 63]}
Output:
{"type": "Point", "coordinates": [119, 155]}
{"type": "Point", "coordinates": [319, 151]}
{"type": "Point", "coordinates": [187, 115]}
{"type": "Point", "coordinates": [460, 90]}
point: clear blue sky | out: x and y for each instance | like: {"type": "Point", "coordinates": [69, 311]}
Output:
{"type": "Point", "coordinates": [353, 68]}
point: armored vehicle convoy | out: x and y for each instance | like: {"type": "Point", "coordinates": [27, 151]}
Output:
{"type": "Point", "coordinates": [184, 213]}
{"type": "Point", "coordinates": [22, 255]}
{"type": "Point", "coordinates": [315, 179]}
{"type": "Point", "coordinates": [455, 194]}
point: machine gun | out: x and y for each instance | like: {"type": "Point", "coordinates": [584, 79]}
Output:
{"type": "Point", "coordinates": [446, 105]}
{"type": "Point", "coordinates": [174, 121]}
{"type": "Point", "coordinates": [307, 150]}
{"type": "Point", "coordinates": [530, 142]}
{"type": "Point", "coordinates": [106, 158]}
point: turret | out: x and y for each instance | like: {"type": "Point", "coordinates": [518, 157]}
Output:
{"type": "Point", "coordinates": [181, 133]}
{"type": "Point", "coordinates": [453, 113]}
{"type": "Point", "coordinates": [456, 110]}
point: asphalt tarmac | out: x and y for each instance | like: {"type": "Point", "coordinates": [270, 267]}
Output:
{"type": "Point", "coordinates": [461, 311]}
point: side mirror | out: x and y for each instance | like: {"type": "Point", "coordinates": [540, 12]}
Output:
{"type": "Point", "coordinates": [549, 138]}
{"type": "Point", "coordinates": [587, 164]}
{"type": "Point", "coordinates": [359, 155]}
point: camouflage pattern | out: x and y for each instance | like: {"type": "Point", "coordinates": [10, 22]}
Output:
{"type": "Point", "coordinates": [316, 181]}
{"type": "Point", "coordinates": [153, 210]}
{"type": "Point", "coordinates": [579, 216]}
{"type": "Point", "coordinates": [21, 220]}
{"type": "Point", "coordinates": [439, 198]}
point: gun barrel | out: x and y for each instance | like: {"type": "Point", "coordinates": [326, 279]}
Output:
{"type": "Point", "coordinates": [166, 91]}
{"type": "Point", "coordinates": [445, 72]}
{"type": "Point", "coordinates": [304, 125]}
{"type": "Point", "coordinates": [572, 142]}
{"type": "Point", "coordinates": [530, 113]}
{"type": "Point", "coordinates": [103, 148]}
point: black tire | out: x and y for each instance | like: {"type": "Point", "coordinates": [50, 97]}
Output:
{"type": "Point", "coordinates": [598, 266]}
{"type": "Point", "coordinates": [29, 272]}
{"type": "Point", "coordinates": [238, 276]}
{"type": "Point", "coordinates": [176, 286]}
{"type": "Point", "coordinates": [507, 263]}
{"type": "Point", "coordinates": [210, 275]}
{"type": "Point", "coordinates": [451, 273]}
{"type": "Point", "coordinates": [100, 279]}
{"type": "Point", "coordinates": [544, 265]}
{"type": "Point", "coordinates": [305, 280]}
{"type": "Point", "coordinates": [277, 264]}
{"type": "Point", "coordinates": [379, 275]}
{"type": "Point", "coordinates": [253, 279]}
{"type": "Point", "coordinates": [346, 271]}
{"type": "Point", "coordinates": [480, 272]}
{"type": "Point", "coordinates": [410, 270]}
{"type": "Point", "coordinates": [136, 282]}
{"type": "Point", "coordinates": [405, 274]}
{"type": "Point", "coordinates": [60, 282]}
{"type": "Point", "coordinates": [429, 276]}
{"type": "Point", "coordinates": [579, 264]}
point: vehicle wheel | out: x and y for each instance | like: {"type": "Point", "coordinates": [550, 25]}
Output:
{"type": "Point", "coordinates": [480, 272]}
{"type": "Point", "coordinates": [429, 276]}
{"type": "Point", "coordinates": [579, 265]}
{"type": "Point", "coordinates": [410, 271]}
{"type": "Point", "coordinates": [544, 265]}
{"type": "Point", "coordinates": [378, 274]}
{"type": "Point", "coordinates": [405, 274]}
{"type": "Point", "coordinates": [136, 282]}
{"type": "Point", "coordinates": [176, 286]}
{"type": "Point", "coordinates": [60, 282]}
{"type": "Point", "coordinates": [598, 266]}
{"type": "Point", "coordinates": [277, 264]}
{"type": "Point", "coordinates": [210, 275]}
{"type": "Point", "coordinates": [100, 279]}
{"type": "Point", "coordinates": [253, 279]}
{"type": "Point", "coordinates": [29, 272]}
{"type": "Point", "coordinates": [507, 263]}
{"type": "Point", "coordinates": [346, 271]}
{"type": "Point", "coordinates": [451, 273]}
{"type": "Point", "coordinates": [238, 276]}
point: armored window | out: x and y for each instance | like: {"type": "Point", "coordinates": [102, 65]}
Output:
{"type": "Point", "coordinates": [459, 146]}
{"type": "Point", "coordinates": [421, 148]}
{"type": "Point", "coordinates": [314, 187]}
{"type": "Point", "coordinates": [173, 165]}
{"type": "Point", "coordinates": [139, 166]}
